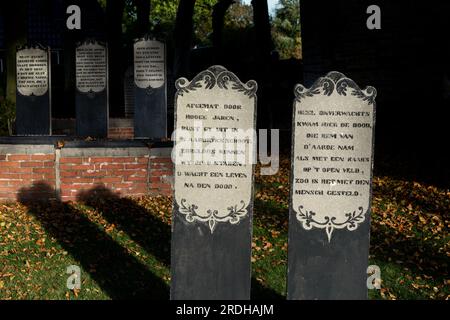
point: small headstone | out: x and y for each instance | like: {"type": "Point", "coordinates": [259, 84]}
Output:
{"type": "Point", "coordinates": [331, 179]}
{"type": "Point", "coordinates": [128, 89]}
{"type": "Point", "coordinates": [213, 200]}
{"type": "Point", "coordinates": [92, 89]}
{"type": "Point", "coordinates": [150, 111]}
{"type": "Point", "coordinates": [33, 97]}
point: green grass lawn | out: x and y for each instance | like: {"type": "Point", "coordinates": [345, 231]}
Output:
{"type": "Point", "coordinates": [123, 245]}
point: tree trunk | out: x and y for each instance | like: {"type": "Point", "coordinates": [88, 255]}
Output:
{"type": "Point", "coordinates": [143, 16]}
{"type": "Point", "coordinates": [15, 35]}
{"type": "Point", "coordinates": [218, 16]}
{"type": "Point", "coordinates": [264, 46]}
{"type": "Point", "coordinates": [183, 37]}
{"type": "Point", "coordinates": [261, 20]}
{"type": "Point", "coordinates": [114, 13]}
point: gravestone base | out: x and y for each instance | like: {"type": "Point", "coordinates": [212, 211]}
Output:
{"type": "Point", "coordinates": [220, 269]}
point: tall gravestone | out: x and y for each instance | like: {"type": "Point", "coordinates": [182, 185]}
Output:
{"type": "Point", "coordinates": [331, 179]}
{"type": "Point", "coordinates": [91, 89]}
{"type": "Point", "coordinates": [213, 200]}
{"type": "Point", "coordinates": [150, 112]}
{"type": "Point", "coordinates": [33, 94]}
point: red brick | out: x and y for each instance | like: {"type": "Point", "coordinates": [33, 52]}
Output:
{"type": "Point", "coordinates": [66, 167]}
{"type": "Point", "coordinates": [7, 195]}
{"type": "Point", "coordinates": [142, 160]}
{"type": "Point", "coordinates": [109, 179]}
{"type": "Point", "coordinates": [139, 189]}
{"type": "Point", "coordinates": [35, 164]}
{"type": "Point", "coordinates": [122, 185]}
{"type": "Point", "coordinates": [31, 176]}
{"type": "Point", "coordinates": [142, 179]}
{"type": "Point", "coordinates": [94, 174]}
{"type": "Point", "coordinates": [123, 160]}
{"type": "Point", "coordinates": [71, 160]}
{"type": "Point", "coordinates": [68, 173]}
{"type": "Point", "coordinates": [158, 173]}
{"type": "Point", "coordinates": [136, 166]}
{"type": "Point", "coordinates": [101, 159]}
{"type": "Point", "coordinates": [49, 176]}
{"type": "Point", "coordinates": [122, 173]}
{"type": "Point", "coordinates": [48, 164]}
{"type": "Point", "coordinates": [9, 176]}
{"type": "Point", "coordinates": [2, 157]}
{"type": "Point", "coordinates": [76, 180]}
{"type": "Point", "coordinates": [7, 189]}
{"type": "Point", "coordinates": [43, 170]}
{"type": "Point", "coordinates": [16, 182]}
{"type": "Point", "coordinates": [18, 157]}
{"type": "Point", "coordinates": [110, 166]}
{"type": "Point", "coordinates": [43, 157]}
{"type": "Point", "coordinates": [9, 164]}
{"type": "Point", "coordinates": [21, 170]}
{"type": "Point", "coordinates": [161, 160]}
{"type": "Point", "coordinates": [83, 167]}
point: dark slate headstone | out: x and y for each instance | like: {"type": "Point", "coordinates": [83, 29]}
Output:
{"type": "Point", "coordinates": [331, 179]}
{"type": "Point", "coordinates": [150, 111]}
{"type": "Point", "coordinates": [213, 199]}
{"type": "Point", "coordinates": [91, 89]}
{"type": "Point", "coordinates": [33, 97]}
{"type": "Point", "coordinates": [128, 90]}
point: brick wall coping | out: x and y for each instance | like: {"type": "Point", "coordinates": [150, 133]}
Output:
{"type": "Point", "coordinates": [71, 142]}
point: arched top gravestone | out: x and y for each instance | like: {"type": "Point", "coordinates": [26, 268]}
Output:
{"type": "Point", "coordinates": [215, 117]}
{"type": "Point", "coordinates": [331, 189]}
{"type": "Point", "coordinates": [214, 107]}
{"type": "Point", "coordinates": [91, 99]}
{"type": "Point", "coordinates": [33, 95]}
{"type": "Point", "coordinates": [150, 87]}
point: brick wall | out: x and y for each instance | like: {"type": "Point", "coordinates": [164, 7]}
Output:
{"type": "Point", "coordinates": [161, 172]}
{"type": "Point", "coordinates": [121, 128]}
{"type": "Point", "coordinates": [23, 168]}
{"type": "Point", "coordinates": [43, 171]}
{"type": "Point", "coordinates": [123, 175]}
{"type": "Point", "coordinates": [121, 133]}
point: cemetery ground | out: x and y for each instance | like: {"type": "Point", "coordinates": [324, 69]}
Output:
{"type": "Point", "coordinates": [122, 245]}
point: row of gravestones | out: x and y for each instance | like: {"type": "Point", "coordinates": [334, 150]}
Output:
{"type": "Point", "coordinates": [33, 103]}
{"type": "Point", "coordinates": [214, 152]}
{"type": "Point", "coordinates": [330, 188]}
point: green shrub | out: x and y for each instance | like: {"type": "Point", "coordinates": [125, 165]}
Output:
{"type": "Point", "coordinates": [7, 116]}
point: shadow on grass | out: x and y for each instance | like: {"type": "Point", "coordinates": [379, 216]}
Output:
{"type": "Point", "coordinates": [415, 251]}
{"type": "Point", "coordinates": [145, 229]}
{"type": "Point", "coordinates": [259, 292]}
{"type": "Point", "coordinates": [141, 226]}
{"type": "Point", "coordinates": [118, 273]}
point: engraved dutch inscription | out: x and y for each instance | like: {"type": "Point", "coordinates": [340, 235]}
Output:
{"type": "Point", "coordinates": [214, 147]}
{"type": "Point", "coordinates": [91, 67]}
{"type": "Point", "coordinates": [32, 71]}
{"type": "Point", "coordinates": [332, 154]}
